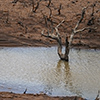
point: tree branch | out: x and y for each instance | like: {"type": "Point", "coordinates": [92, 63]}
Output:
{"type": "Point", "coordinates": [86, 28]}
{"type": "Point", "coordinates": [79, 30]}
{"type": "Point", "coordinates": [82, 16]}
{"type": "Point", "coordinates": [59, 10]}
{"type": "Point", "coordinates": [15, 1]}
{"type": "Point", "coordinates": [60, 23]}
{"type": "Point", "coordinates": [37, 6]}
{"type": "Point", "coordinates": [49, 35]}
{"type": "Point", "coordinates": [49, 3]}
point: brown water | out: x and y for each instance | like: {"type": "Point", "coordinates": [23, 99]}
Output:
{"type": "Point", "coordinates": [39, 70]}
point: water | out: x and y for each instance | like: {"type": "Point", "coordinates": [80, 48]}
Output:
{"type": "Point", "coordinates": [40, 70]}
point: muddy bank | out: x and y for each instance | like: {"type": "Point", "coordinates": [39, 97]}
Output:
{"type": "Point", "coordinates": [13, 96]}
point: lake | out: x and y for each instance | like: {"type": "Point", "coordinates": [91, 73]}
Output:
{"type": "Point", "coordinates": [39, 70]}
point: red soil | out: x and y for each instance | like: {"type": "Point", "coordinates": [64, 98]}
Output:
{"type": "Point", "coordinates": [19, 26]}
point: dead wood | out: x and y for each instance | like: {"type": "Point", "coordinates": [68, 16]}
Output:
{"type": "Point", "coordinates": [76, 30]}
{"type": "Point", "coordinates": [56, 36]}
{"type": "Point", "coordinates": [59, 10]}
{"type": "Point", "coordinates": [35, 7]}
{"type": "Point", "coordinates": [49, 3]}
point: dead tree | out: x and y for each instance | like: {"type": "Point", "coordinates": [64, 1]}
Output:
{"type": "Point", "coordinates": [56, 36]}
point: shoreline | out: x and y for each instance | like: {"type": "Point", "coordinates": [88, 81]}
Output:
{"type": "Point", "coordinates": [41, 96]}
{"type": "Point", "coordinates": [73, 47]}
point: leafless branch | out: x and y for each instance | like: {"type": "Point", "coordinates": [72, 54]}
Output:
{"type": "Point", "coordinates": [57, 37]}
{"type": "Point", "coordinates": [91, 21]}
{"type": "Point", "coordinates": [92, 14]}
{"type": "Point", "coordinates": [60, 23]}
{"type": "Point", "coordinates": [82, 16]}
{"type": "Point", "coordinates": [15, 1]}
{"type": "Point", "coordinates": [86, 28]}
{"type": "Point", "coordinates": [37, 6]}
{"type": "Point", "coordinates": [49, 3]}
{"type": "Point", "coordinates": [56, 28]}
{"type": "Point", "coordinates": [76, 30]}
{"type": "Point", "coordinates": [33, 7]}
{"type": "Point", "coordinates": [53, 36]}
{"type": "Point", "coordinates": [50, 14]}
{"type": "Point", "coordinates": [59, 10]}
{"type": "Point", "coordinates": [48, 18]}
{"type": "Point", "coordinates": [45, 19]}
{"type": "Point", "coordinates": [49, 35]}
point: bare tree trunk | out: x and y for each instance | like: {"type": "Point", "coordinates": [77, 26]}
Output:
{"type": "Point", "coordinates": [65, 55]}
{"type": "Point", "coordinates": [62, 56]}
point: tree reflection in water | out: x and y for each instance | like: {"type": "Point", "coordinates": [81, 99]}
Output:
{"type": "Point", "coordinates": [63, 81]}
{"type": "Point", "coordinates": [64, 69]}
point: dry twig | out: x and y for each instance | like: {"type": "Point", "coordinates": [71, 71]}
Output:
{"type": "Point", "coordinates": [76, 30]}
{"type": "Point", "coordinates": [49, 3]}
{"type": "Point", "coordinates": [37, 6]}
{"type": "Point", "coordinates": [59, 10]}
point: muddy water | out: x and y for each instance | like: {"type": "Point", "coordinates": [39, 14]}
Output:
{"type": "Point", "coordinates": [39, 70]}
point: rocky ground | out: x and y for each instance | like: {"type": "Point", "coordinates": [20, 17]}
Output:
{"type": "Point", "coordinates": [21, 25]}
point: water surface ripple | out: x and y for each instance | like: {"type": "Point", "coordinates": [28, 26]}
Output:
{"type": "Point", "coordinates": [39, 70]}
